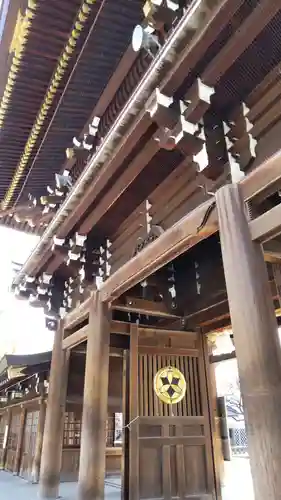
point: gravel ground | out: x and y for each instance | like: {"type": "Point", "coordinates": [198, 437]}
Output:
{"type": "Point", "coordinates": [238, 485]}
{"type": "Point", "coordinates": [14, 488]}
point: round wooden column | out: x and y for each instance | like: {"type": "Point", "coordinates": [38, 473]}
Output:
{"type": "Point", "coordinates": [256, 341]}
{"type": "Point", "coordinates": [35, 471]}
{"type": "Point", "coordinates": [53, 432]}
{"type": "Point", "coordinates": [93, 446]}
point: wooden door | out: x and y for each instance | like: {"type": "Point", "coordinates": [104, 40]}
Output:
{"type": "Point", "coordinates": [170, 447]}
{"type": "Point", "coordinates": [13, 438]}
{"type": "Point", "coordinates": [3, 425]}
{"type": "Point", "coordinates": [29, 442]}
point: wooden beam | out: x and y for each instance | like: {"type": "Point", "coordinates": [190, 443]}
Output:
{"type": "Point", "coordinates": [81, 335]}
{"type": "Point", "coordinates": [120, 327]}
{"type": "Point", "coordinates": [267, 225]}
{"type": "Point", "coordinates": [134, 169]}
{"type": "Point", "coordinates": [78, 314]}
{"type": "Point", "coordinates": [262, 177]}
{"type": "Point", "coordinates": [176, 240]}
{"type": "Point", "coordinates": [123, 328]}
{"type": "Point", "coordinates": [75, 338]}
{"type": "Point", "coordinates": [108, 169]}
{"type": "Point", "coordinates": [177, 351]}
{"type": "Point", "coordinates": [143, 306]}
{"type": "Point", "coordinates": [223, 357]}
{"type": "Point", "coordinates": [272, 251]}
{"type": "Point", "coordinates": [150, 331]}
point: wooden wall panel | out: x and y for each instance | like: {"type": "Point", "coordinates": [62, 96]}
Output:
{"type": "Point", "coordinates": [70, 464]}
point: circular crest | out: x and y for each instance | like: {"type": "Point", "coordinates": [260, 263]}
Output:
{"type": "Point", "coordinates": [170, 385]}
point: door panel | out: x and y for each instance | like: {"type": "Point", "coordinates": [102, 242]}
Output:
{"type": "Point", "coordinates": [170, 446]}
{"type": "Point", "coordinates": [29, 442]}
{"type": "Point", "coordinates": [12, 443]}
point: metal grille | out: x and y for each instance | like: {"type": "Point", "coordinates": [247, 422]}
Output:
{"type": "Point", "coordinates": [239, 441]}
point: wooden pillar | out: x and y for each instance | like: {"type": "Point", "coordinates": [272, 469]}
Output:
{"type": "Point", "coordinates": [134, 487]}
{"type": "Point", "coordinates": [256, 341]}
{"type": "Point", "coordinates": [20, 442]}
{"type": "Point", "coordinates": [53, 431]}
{"type": "Point", "coordinates": [35, 471]}
{"type": "Point", "coordinates": [93, 446]}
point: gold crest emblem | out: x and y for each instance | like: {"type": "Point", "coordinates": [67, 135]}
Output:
{"type": "Point", "coordinates": [170, 385]}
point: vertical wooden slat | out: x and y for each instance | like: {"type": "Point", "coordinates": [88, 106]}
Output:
{"type": "Point", "coordinates": [141, 395]}
{"type": "Point", "coordinates": [177, 407]}
{"type": "Point", "coordinates": [156, 399]}
{"type": "Point", "coordinates": [186, 400]}
{"type": "Point", "coordinates": [192, 391]}
{"type": "Point", "coordinates": [166, 469]}
{"type": "Point", "coordinates": [150, 386]}
{"type": "Point", "coordinates": [188, 381]}
{"type": "Point", "coordinates": [161, 406]}
{"type": "Point", "coordinates": [145, 385]}
{"type": "Point", "coordinates": [165, 362]}
{"type": "Point", "coordinates": [134, 409]}
{"type": "Point", "coordinates": [196, 386]}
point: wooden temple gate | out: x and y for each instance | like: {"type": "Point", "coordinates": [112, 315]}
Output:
{"type": "Point", "coordinates": [179, 149]}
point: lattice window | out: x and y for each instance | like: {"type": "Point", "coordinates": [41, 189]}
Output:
{"type": "Point", "coordinates": [72, 430]}
{"type": "Point", "coordinates": [110, 432]}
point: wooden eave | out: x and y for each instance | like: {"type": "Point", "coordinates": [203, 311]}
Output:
{"type": "Point", "coordinates": [7, 35]}
{"type": "Point", "coordinates": [76, 97]}
{"type": "Point", "coordinates": [220, 36]}
{"type": "Point", "coordinates": [45, 40]}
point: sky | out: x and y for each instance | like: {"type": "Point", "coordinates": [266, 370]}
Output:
{"type": "Point", "coordinates": [22, 328]}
